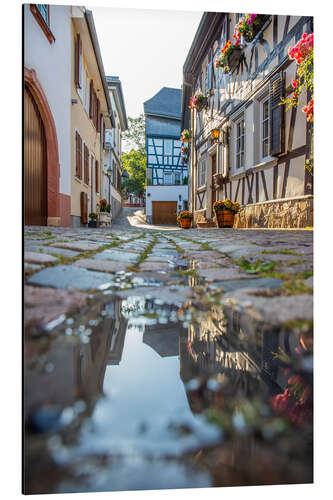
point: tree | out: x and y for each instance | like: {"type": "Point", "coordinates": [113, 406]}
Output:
{"type": "Point", "coordinates": [134, 163]}
{"type": "Point", "coordinates": [135, 135]}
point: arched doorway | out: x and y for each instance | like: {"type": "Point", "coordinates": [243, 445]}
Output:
{"type": "Point", "coordinates": [35, 164]}
{"type": "Point", "coordinates": [37, 103]}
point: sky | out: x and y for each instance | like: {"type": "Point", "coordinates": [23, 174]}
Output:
{"type": "Point", "coordinates": [145, 48]}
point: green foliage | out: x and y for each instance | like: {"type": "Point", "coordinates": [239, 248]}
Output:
{"type": "Point", "coordinates": [134, 163]}
{"type": "Point", "coordinates": [256, 267]}
{"type": "Point", "coordinates": [135, 135]}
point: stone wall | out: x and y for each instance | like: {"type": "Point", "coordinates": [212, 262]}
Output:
{"type": "Point", "coordinates": [288, 213]}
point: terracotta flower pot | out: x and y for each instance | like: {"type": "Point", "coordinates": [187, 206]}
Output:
{"type": "Point", "coordinates": [225, 218]}
{"type": "Point", "coordinates": [185, 223]}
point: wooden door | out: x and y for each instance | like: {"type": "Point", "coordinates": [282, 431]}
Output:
{"type": "Point", "coordinates": [35, 170]}
{"type": "Point", "coordinates": [164, 212]}
{"type": "Point", "coordinates": [212, 182]}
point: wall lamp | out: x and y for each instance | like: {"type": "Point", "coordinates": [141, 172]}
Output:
{"type": "Point", "coordinates": [215, 134]}
{"type": "Point", "coordinates": [74, 101]}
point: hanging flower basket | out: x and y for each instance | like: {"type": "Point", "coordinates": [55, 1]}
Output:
{"type": "Point", "coordinates": [254, 25]}
{"type": "Point", "coordinates": [230, 57]}
{"type": "Point", "coordinates": [225, 212]}
{"type": "Point", "coordinates": [185, 136]}
{"type": "Point", "coordinates": [198, 102]}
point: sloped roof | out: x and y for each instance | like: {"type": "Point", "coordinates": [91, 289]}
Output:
{"type": "Point", "coordinates": [166, 103]}
{"type": "Point", "coordinates": [162, 127]}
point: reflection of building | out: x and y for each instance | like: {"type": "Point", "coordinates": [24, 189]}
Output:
{"type": "Point", "coordinates": [119, 325]}
{"type": "Point", "coordinates": [167, 190]}
{"type": "Point", "coordinates": [77, 369]}
{"type": "Point", "coordinates": [163, 338]}
{"type": "Point", "coordinates": [239, 355]}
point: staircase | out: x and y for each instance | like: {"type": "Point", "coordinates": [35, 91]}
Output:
{"type": "Point", "coordinates": [204, 223]}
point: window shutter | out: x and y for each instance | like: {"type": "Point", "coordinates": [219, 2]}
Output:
{"type": "Point", "coordinates": [84, 207]}
{"type": "Point", "coordinates": [209, 71]}
{"type": "Point", "coordinates": [96, 177]}
{"type": "Point", "coordinates": [103, 132]}
{"type": "Point", "coordinates": [91, 97]}
{"type": "Point", "coordinates": [80, 158]}
{"type": "Point", "coordinates": [78, 61]}
{"type": "Point", "coordinates": [276, 92]}
{"type": "Point", "coordinates": [97, 123]}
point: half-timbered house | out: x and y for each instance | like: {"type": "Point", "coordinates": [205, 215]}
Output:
{"type": "Point", "coordinates": [167, 176]}
{"type": "Point", "coordinates": [258, 154]}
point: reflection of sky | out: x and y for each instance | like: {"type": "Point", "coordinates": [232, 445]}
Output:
{"type": "Point", "coordinates": [144, 391]}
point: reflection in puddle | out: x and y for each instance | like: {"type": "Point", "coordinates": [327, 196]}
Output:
{"type": "Point", "coordinates": [136, 394]}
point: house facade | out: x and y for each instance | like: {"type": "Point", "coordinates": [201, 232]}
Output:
{"type": "Point", "coordinates": [167, 176]}
{"type": "Point", "coordinates": [90, 117]}
{"type": "Point", "coordinates": [111, 183]}
{"type": "Point", "coordinates": [47, 114]}
{"type": "Point", "coordinates": [258, 155]}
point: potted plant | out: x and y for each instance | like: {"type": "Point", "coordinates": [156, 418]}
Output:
{"type": "Point", "coordinates": [249, 26]}
{"type": "Point", "coordinates": [185, 136]}
{"type": "Point", "coordinates": [230, 56]}
{"type": "Point", "coordinates": [104, 213]}
{"type": "Point", "coordinates": [184, 219]}
{"type": "Point", "coordinates": [93, 222]}
{"type": "Point", "coordinates": [225, 212]}
{"type": "Point", "coordinates": [198, 102]}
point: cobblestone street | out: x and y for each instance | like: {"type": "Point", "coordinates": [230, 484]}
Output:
{"type": "Point", "coordinates": [119, 321]}
{"type": "Point", "coordinates": [276, 263]}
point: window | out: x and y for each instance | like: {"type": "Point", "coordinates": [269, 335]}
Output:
{"type": "Point", "coordinates": [78, 155]}
{"type": "Point", "coordinates": [264, 127]}
{"type": "Point", "coordinates": [41, 13]}
{"type": "Point", "coordinates": [168, 147]}
{"type": "Point", "coordinates": [44, 12]}
{"type": "Point", "coordinates": [167, 177]}
{"type": "Point", "coordinates": [240, 142]}
{"type": "Point", "coordinates": [177, 177]}
{"type": "Point", "coordinates": [96, 177]}
{"type": "Point", "coordinates": [78, 62]}
{"type": "Point", "coordinates": [86, 91]}
{"type": "Point", "coordinates": [86, 164]}
{"type": "Point", "coordinates": [201, 173]}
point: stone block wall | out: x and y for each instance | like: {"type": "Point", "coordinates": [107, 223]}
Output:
{"type": "Point", "coordinates": [288, 213]}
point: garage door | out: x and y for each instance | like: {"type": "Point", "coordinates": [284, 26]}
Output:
{"type": "Point", "coordinates": [164, 212]}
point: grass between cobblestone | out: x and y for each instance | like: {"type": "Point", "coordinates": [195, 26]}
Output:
{"type": "Point", "coordinates": [62, 260]}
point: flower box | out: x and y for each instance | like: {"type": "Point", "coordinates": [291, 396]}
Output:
{"type": "Point", "coordinates": [104, 219]}
{"type": "Point", "coordinates": [254, 28]}
{"type": "Point", "coordinates": [230, 57]}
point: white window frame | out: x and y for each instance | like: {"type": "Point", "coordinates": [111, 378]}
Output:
{"type": "Point", "coordinates": [179, 175]}
{"type": "Point", "coordinates": [168, 150]}
{"type": "Point", "coordinates": [202, 167]}
{"type": "Point", "coordinates": [239, 152]}
{"type": "Point", "coordinates": [164, 176]}
{"type": "Point", "coordinates": [262, 102]}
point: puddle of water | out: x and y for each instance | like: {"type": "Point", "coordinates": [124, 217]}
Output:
{"type": "Point", "coordinates": [134, 394]}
